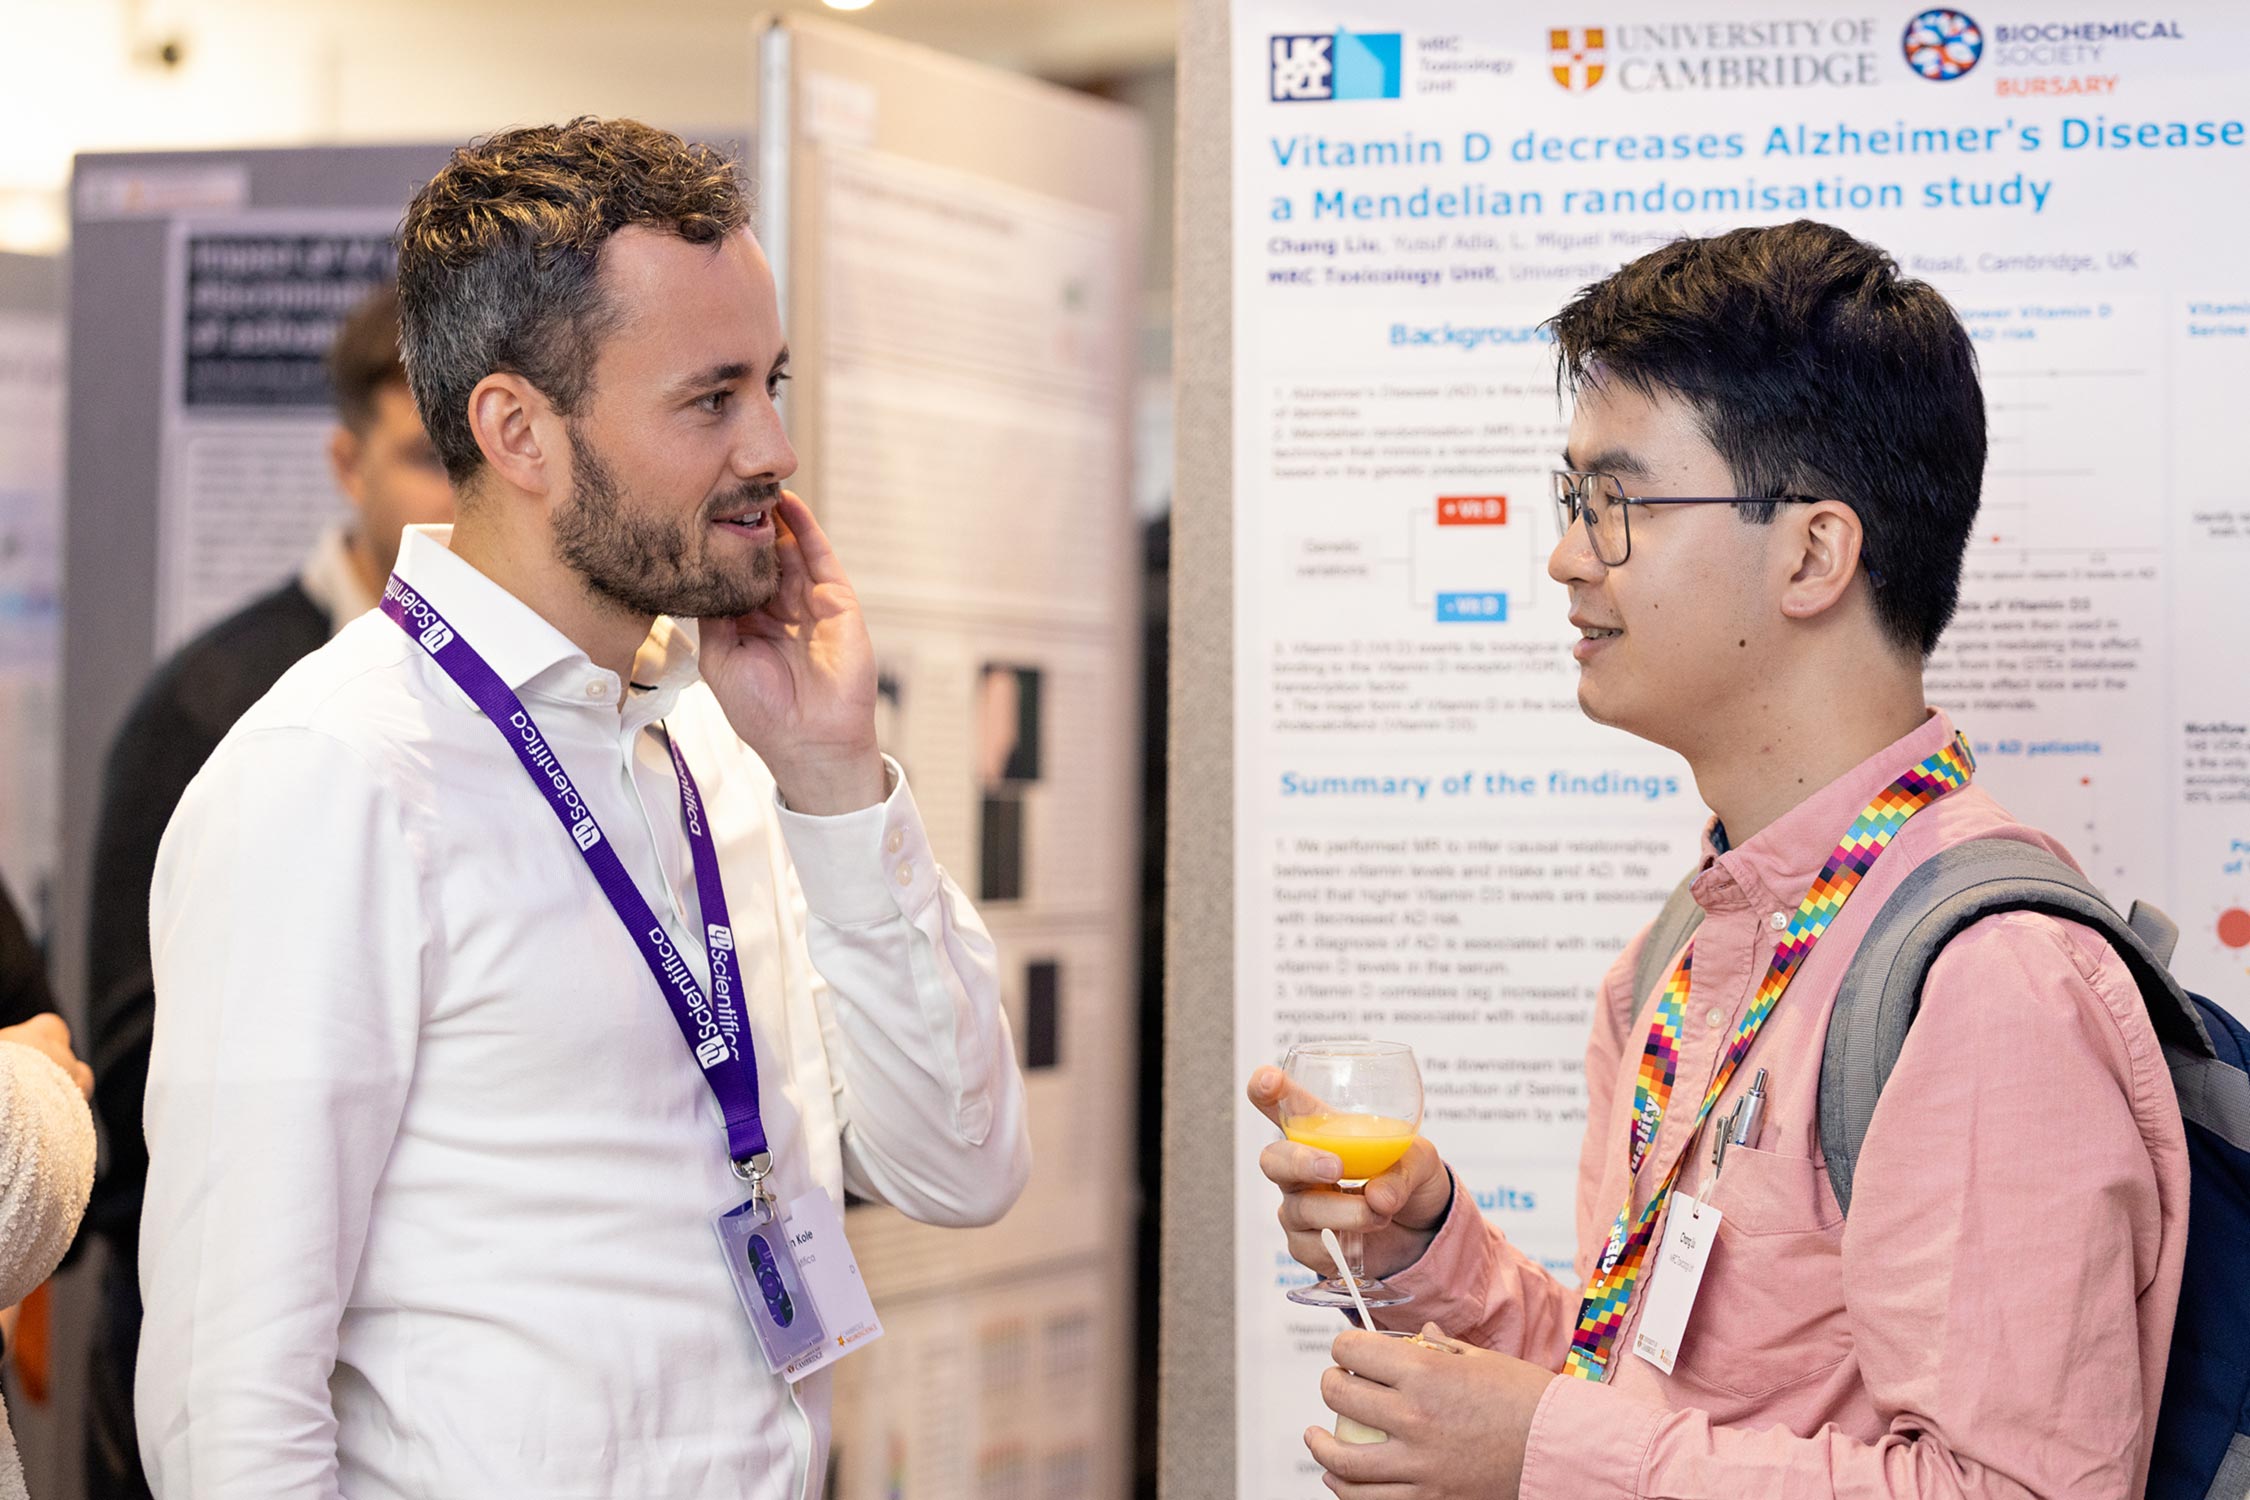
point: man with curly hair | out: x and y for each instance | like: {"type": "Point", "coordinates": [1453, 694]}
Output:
{"type": "Point", "coordinates": [434, 1157]}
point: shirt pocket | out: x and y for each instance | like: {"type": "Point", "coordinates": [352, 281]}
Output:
{"type": "Point", "coordinates": [1770, 1312]}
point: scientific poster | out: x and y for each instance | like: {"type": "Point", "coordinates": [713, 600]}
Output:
{"type": "Point", "coordinates": [253, 302]}
{"type": "Point", "coordinates": [967, 372]}
{"type": "Point", "coordinates": [1432, 845]}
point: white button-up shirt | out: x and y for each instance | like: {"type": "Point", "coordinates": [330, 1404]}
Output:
{"type": "Point", "coordinates": [431, 1169]}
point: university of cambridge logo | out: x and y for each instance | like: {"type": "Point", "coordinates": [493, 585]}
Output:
{"type": "Point", "coordinates": [1575, 56]}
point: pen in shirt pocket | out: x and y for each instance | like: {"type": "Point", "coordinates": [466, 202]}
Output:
{"type": "Point", "coordinates": [1739, 1127]}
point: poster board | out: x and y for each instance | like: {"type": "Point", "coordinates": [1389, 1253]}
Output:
{"type": "Point", "coordinates": [1411, 191]}
{"type": "Point", "coordinates": [958, 254]}
{"type": "Point", "coordinates": [151, 471]}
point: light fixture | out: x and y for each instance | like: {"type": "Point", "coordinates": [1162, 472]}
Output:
{"type": "Point", "coordinates": [849, 4]}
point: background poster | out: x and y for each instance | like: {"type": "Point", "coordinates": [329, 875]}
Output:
{"type": "Point", "coordinates": [31, 442]}
{"type": "Point", "coordinates": [253, 303]}
{"type": "Point", "coordinates": [1431, 844]}
{"type": "Point", "coordinates": [970, 383]}
{"type": "Point", "coordinates": [960, 272]}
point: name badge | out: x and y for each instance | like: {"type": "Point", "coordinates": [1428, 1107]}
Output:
{"type": "Point", "coordinates": [796, 1278]}
{"type": "Point", "coordinates": [1690, 1230]}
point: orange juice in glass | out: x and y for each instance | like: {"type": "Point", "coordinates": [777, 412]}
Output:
{"type": "Point", "coordinates": [1360, 1101]}
{"type": "Point", "coordinates": [1365, 1144]}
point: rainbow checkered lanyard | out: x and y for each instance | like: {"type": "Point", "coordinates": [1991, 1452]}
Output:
{"type": "Point", "coordinates": [1609, 1292]}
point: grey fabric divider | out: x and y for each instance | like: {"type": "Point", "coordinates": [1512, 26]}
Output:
{"type": "Point", "coordinates": [1195, 1358]}
{"type": "Point", "coordinates": [30, 283]}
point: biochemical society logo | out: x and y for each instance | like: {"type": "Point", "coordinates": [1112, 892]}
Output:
{"type": "Point", "coordinates": [2024, 59]}
{"type": "Point", "coordinates": [1336, 65]}
{"type": "Point", "coordinates": [2029, 59]}
{"type": "Point", "coordinates": [1942, 45]}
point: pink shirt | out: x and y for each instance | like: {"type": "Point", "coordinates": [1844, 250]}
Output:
{"type": "Point", "coordinates": [1993, 1318]}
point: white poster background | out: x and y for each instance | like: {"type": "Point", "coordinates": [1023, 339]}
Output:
{"type": "Point", "coordinates": [1431, 844]}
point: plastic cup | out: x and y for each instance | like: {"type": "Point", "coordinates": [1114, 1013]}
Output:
{"type": "Point", "coordinates": [1350, 1431]}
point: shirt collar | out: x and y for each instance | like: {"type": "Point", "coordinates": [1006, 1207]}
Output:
{"type": "Point", "coordinates": [530, 655]}
{"type": "Point", "coordinates": [1778, 866]}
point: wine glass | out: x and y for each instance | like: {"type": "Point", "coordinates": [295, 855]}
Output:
{"type": "Point", "coordinates": [1360, 1101]}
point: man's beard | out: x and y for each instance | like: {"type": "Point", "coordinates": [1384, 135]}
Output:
{"type": "Point", "coordinates": [651, 565]}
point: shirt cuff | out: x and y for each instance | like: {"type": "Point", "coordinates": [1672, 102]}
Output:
{"type": "Point", "coordinates": [863, 867]}
{"type": "Point", "coordinates": [1449, 1260]}
{"type": "Point", "coordinates": [1587, 1442]}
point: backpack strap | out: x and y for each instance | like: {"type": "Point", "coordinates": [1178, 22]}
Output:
{"type": "Point", "coordinates": [1941, 897]}
{"type": "Point", "coordinates": [2216, 1096]}
{"type": "Point", "coordinates": [1673, 926]}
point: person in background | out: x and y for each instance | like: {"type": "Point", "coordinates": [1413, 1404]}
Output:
{"type": "Point", "coordinates": [433, 1151]}
{"type": "Point", "coordinates": [46, 1169]}
{"type": "Point", "coordinates": [385, 466]}
{"type": "Point", "coordinates": [27, 1015]}
{"type": "Point", "coordinates": [23, 968]}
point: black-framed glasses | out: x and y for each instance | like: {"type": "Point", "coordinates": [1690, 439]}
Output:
{"type": "Point", "coordinates": [1607, 510]}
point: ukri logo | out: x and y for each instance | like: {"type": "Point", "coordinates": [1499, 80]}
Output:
{"type": "Point", "coordinates": [1321, 66]}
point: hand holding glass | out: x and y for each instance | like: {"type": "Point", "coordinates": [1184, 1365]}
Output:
{"type": "Point", "coordinates": [1361, 1102]}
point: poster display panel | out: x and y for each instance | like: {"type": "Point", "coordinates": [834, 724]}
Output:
{"type": "Point", "coordinates": [1432, 844]}
{"type": "Point", "coordinates": [957, 251]}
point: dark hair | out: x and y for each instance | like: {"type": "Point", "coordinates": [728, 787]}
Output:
{"type": "Point", "coordinates": [1816, 369]}
{"type": "Point", "coordinates": [364, 358]}
{"type": "Point", "coordinates": [500, 254]}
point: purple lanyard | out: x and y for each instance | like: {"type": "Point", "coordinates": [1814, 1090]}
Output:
{"type": "Point", "coordinates": [711, 1025]}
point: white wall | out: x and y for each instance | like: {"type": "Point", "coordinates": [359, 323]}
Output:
{"type": "Point", "coordinates": [87, 75]}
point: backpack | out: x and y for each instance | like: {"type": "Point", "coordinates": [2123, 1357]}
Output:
{"type": "Point", "coordinates": [2202, 1449]}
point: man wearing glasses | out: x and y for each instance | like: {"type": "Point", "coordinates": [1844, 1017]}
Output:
{"type": "Point", "coordinates": [1773, 468]}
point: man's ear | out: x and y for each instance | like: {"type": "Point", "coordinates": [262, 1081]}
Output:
{"type": "Point", "coordinates": [517, 432]}
{"type": "Point", "coordinates": [344, 449]}
{"type": "Point", "coordinates": [1820, 547]}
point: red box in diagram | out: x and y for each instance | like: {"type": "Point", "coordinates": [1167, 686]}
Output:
{"type": "Point", "coordinates": [1472, 510]}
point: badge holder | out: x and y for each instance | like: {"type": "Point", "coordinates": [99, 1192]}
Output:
{"type": "Point", "coordinates": [763, 1266]}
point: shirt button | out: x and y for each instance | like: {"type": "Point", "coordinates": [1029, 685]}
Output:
{"type": "Point", "coordinates": [1780, 921]}
{"type": "Point", "coordinates": [906, 872]}
{"type": "Point", "coordinates": [597, 689]}
{"type": "Point", "coordinates": [896, 841]}
{"type": "Point", "coordinates": [1716, 1017]}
